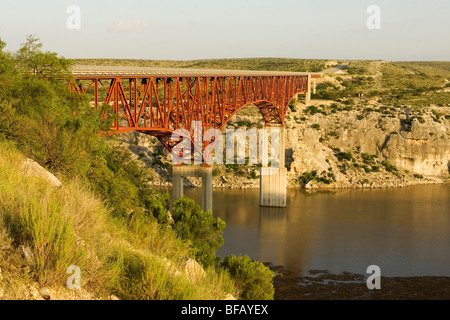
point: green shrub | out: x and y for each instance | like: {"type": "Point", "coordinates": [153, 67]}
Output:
{"type": "Point", "coordinates": [245, 123]}
{"type": "Point", "coordinates": [313, 110]}
{"type": "Point", "coordinates": [200, 228]}
{"type": "Point", "coordinates": [348, 102]}
{"type": "Point", "coordinates": [328, 91]}
{"type": "Point", "coordinates": [292, 105]}
{"type": "Point", "coordinates": [216, 171]}
{"type": "Point", "coordinates": [253, 279]}
{"type": "Point", "coordinates": [142, 277]}
{"type": "Point", "coordinates": [344, 156]}
{"type": "Point", "coordinates": [368, 158]}
{"type": "Point", "coordinates": [115, 188]}
{"type": "Point", "coordinates": [313, 176]}
{"type": "Point", "coordinates": [158, 205]}
{"type": "Point", "coordinates": [355, 68]}
{"type": "Point", "coordinates": [334, 134]}
{"type": "Point", "coordinates": [306, 177]}
{"type": "Point", "coordinates": [389, 167]}
{"type": "Point", "coordinates": [254, 175]}
{"type": "Point", "coordinates": [437, 116]}
{"type": "Point", "coordinates": [407, 124]}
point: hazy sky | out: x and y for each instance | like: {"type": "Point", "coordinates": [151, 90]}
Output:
{"type": "Point", "coordinates": [203, 29]}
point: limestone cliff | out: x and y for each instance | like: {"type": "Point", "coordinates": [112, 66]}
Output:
{"type": "Point", "coordinates": [369, 148]}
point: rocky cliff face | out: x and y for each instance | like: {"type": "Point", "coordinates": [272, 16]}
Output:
{"type": "Point", "coordinates": [425, 150]}
{"type": "Point", "coordinates": [369, 148]}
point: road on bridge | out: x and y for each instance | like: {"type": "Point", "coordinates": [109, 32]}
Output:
{"type": "Point", "coordinates": [122, 71]}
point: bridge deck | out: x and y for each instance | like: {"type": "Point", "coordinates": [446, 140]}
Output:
{"type": "Point", "coordinates": [89, 71]}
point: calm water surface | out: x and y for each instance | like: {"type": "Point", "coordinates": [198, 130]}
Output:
{"type": "Point", "coordinates": [406, 231]}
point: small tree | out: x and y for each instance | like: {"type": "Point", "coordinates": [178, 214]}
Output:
{"type": "Point", "coordinates": [32, 59]}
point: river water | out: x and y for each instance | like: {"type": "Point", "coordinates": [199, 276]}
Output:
{"type": "Point", "coordinates": [404, 231]}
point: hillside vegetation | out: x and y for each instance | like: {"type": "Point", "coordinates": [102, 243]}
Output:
{"type": "Point", "coordinates": [70, 225]}
{"type": "Point", "coordinates": [105, 219]}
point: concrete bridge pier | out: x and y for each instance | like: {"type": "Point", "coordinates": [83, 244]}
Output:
{"type": "Point", "coordinates": [308, 93]}
{"type": "Point", "coordinates": [272, 191]}
{"type": "Point", "coordinates": [205, 173]}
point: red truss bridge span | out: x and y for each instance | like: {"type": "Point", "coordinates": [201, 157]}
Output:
{"type": "Point", "coordinates": [159, 101]}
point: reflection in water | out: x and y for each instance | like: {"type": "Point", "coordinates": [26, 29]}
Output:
{"type": "Point", "coordinates": [405, 231]}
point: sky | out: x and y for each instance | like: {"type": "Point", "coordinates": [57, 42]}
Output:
{"type": "Point", "coordinates": [209, 29]}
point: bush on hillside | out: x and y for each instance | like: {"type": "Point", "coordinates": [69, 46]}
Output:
{"type": "Point", "coordinates": [193, 224]}
{"type": "Point", "coordinates": [253, 279]}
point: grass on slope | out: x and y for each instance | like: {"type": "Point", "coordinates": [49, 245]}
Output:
{"type": "Point", "coordinates": [69, 225]}
{"type": "Point", "coordinates": [415, 84]}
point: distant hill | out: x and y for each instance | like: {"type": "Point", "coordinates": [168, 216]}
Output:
{"type": "Point", "coordinates": [268, 64]}
{"type": "Point", "coordinates": [444, 65]}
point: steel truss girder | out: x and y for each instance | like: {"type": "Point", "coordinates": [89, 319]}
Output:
{"type": "Point", "coordinates": [160, 105]}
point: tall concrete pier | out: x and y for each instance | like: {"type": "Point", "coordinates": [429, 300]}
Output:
{"type": "Point", "coordinates": [205, 173]}
{"type": "Point", "coordinates": [308, 93]}
{"type": "Point", "coordinates": [272, 178]}
{"type": "Point", "coordinates": [272, 191]}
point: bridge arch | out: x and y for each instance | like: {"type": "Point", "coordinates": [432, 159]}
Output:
{"type": "Point", "coordinates": [271, 115]}
{"type": "Point", "coordinates": [270, 112]}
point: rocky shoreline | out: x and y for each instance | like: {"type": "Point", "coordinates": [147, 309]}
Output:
{"type": "Point", "coordinates": [195, 183]}
{"type": "Point", "coordinates": [321, 285]}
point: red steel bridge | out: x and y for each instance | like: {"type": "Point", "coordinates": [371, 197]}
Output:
{"type": "Point", "coordinates": [158, 101]}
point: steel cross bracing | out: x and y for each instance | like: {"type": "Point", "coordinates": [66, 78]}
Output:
{"type": "Point", "coordinates": [159, 103]}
